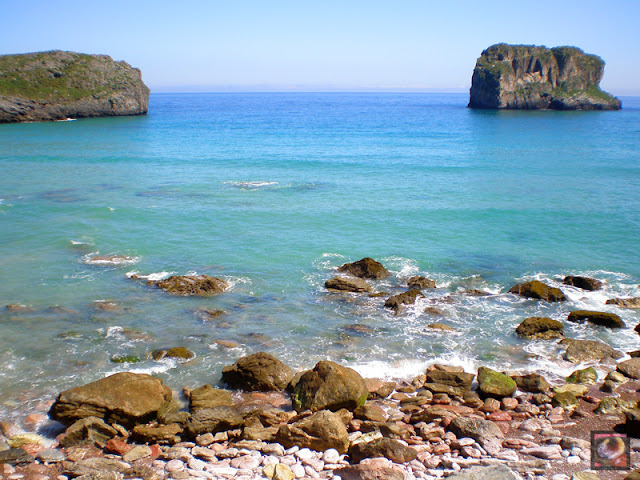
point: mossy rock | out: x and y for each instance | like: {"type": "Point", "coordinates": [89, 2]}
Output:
{"type": "Point", "coordinates": [565, 400]}
{"type": "Point", "coordinates": [587, 376]}
{"type": "Point", "coordinates": [538, 290]}
{"type": "Point", "coordinates": [125, 359]}
{"type": "Point", "coordinates": [179, 353]}
{"type": "Point", "coordinates": [540, 328]}
{"type": "Point", "coordinates": [573, 388]}
{"type": "Point", "coordinates": [495, 384]}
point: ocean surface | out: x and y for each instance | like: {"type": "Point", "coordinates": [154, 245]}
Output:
{"type": "Point", "coordinates": [273, 192]}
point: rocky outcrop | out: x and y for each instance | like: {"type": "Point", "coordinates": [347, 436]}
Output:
{"type": "Point", "coordinates": [529, 77]}
{"type": "Point", "coordinates": [343, 284]}
{"type": "Point", "coordinates": [258, 372]}
{"type": "Point", "coordinates": [585, 283]}
{"type": "Point", "coordinates": [200, 285]}
{"type": "Point", "coordinates": [604, 319]}
{"type": "Point", "coordinates": [366, 268]}
{"type": "Point", "coordinates": [538, 290]}
{"type": "Point", "coordinates": [541, 328]}
{"type": "Point", "coordinates": [396, 302]}
{"type": "Point", "coordinates": [633, 302]}
{"type": "Point", "coordinates": [57, 85]}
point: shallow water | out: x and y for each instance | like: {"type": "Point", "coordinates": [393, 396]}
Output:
{"type": "Point", "coordinates": [273, 192]}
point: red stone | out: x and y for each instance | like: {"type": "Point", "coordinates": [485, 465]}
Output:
{"type": "Point", "coordinates": [504, 426]}
{"type": "Point", "coordinates": [155, 451]}
{"type": "Point", "coordinates": [499, 416]}
{"type": "Point", "coordinates": [118, 446]}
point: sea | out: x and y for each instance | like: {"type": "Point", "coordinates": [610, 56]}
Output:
{"type": "Point", "coordinates": [272, 192]}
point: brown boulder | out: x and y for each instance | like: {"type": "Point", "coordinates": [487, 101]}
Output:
{"type": "Point", "coordinates": [531, 382]}
{"type": "Point", "coordinates": [485, 432]}
{"type": "Point", "coordinates": [208, 397]}
{"type": "Point", "coordinates": [319, 431]}
{"type": "Point", "coordinates": [160, 434]}
{"type": "Point", "coordinates": [179, 353]}
{"type": "Point", "coordinates": [420, 283]}
{"type": "Point", "coordinates": [258, 372]}
{"type": "Point", "coordinates": [604, 319]}
{"type": "Point", "coordinates": [382, 447]}
{"type": "Point", "coordinates": [630, 368]}
{"type": "Point", "coordinates": [343, 284]}
{"type": "Point", "coordinates": [585, 283]}
{"type": "Point", "coordinates": [371, 469]}
{"type": "Point", "coordinates": [201, 285]}
{"type": "Point", "coordinates": [213, 420]}
{"type": "Point", "coordinates": [579, 351]}
{"type": "Point", "coordinates": [329, 386]}
{"type": "Point", "coordinates": [541, 328]}
{"type": "Point", "coordinates": [495, 384]}
{"type": "Point", "coordinates": [455, 379]}
{"type": "Point", "coordinates": [396, 302]}
{"type": "Point", "coordinates": [633, 302]}
{"type": "Point", "coordinates": [366, 268]}
{"type": "Point", "coordinates": [124, 398]}
{"type": "Point", "coordinates": [538, 290]}
{"type": "Point", "coordinates": [90, 430]}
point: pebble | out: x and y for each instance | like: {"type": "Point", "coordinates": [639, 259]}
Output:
{"type": "Point", "coordinates": [305, 453]}
{"type": "Point", "coordinates": [205, 439]}
{"type": "Point", "coordinates": [196, 464]}
{"type": "Point", "coordinates": [51, 455]}
{"type": "Point", "coordinates": [174, 466]}
{"type": "Point", "coordinates": [298, 470]}
{"type": "Point", "coordinates": [572, 460]}
{"type": "Point", "coordinates": [245, 462]}
{"type": "Point", "coordinates": [331, 456]}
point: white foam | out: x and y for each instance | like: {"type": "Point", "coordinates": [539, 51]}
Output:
{"type": "Point", "coordinates": [109, 260]}
{"type": "Point", "coordinates": [152, 277]}
{"type": "Point", "coordinates": [80, 242]}
{"type": "Point", "coordinates": [252, 184]}
{"type": "Point", "coordinates": [406, 369]}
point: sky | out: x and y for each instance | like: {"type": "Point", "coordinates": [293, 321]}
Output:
{"type": "Point", "coordinates": [345, 45]}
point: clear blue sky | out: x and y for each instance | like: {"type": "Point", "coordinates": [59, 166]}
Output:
{"type": "Point", "coordinates": [360, 45]}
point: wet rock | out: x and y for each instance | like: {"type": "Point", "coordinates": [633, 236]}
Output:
{"type": "Point", "coordinates": [19, 308]}
{"type": "Point", "coordinates": [329, 386]}
{"type": "Point", "coordinates": [320, 431]}
{"type": "Point", "coordinates": [160, 434]}
{"type": "Point", "coordinates": [615, 406]}
{"type": "Point", "coordinates": [209, 397]}
{"type": "Point", "coordinates": [587, 376]}
{"type": "Point", "coordinates": [455, 379]}
{"type": "Point", "coordinates": [396, 302]}
{"type": "Point", "coordinates": [124, 398]}
{"type": "Point", "coordinates": [442, 327]}
{"type": "Point", "coordinates": [633, 302]}
{"type": "Point", "coordinates": [200, 285]}
{"type": "Point", "coordinates": [343, 284]}
{"type": "Point", "coordinates": [96, 468]}
{"type": "Point", "coordinates": [358, 329]}
{"type": "Point", "coordinates": [179, 353]}
{"type": "Point", "coordinates": [15, 456]}
{"type": "Point", "coordinates": [538, 290]}
{"type": "Point", "coordinates": [86, 431]}
{"type": "Point", "coordinates": [258, 372]}
{"type": "Point", "coordinates": [209, 314]}
{"type": "Point", "coordinates": [604, 319]}
{"type": "Point", "coordinates": [630, 368]}
{"type": "Point", "coordinates": [434, 311]}
{"type": "Point", "coordinates": [585, 283]}
{"type": "Point", "coordinates": [366, 268]}
{"type": "Point", "coordinates": [474, 292]}
{"type": "Point", "coordinates": [370, 412]}
{"type": "Point", "coordinates": [495, 384]}
{"type": "Point", "coordinates": [531, 382]}
{"type": "Point", "coordinates": [382, 447]}
{"type": "Point", "coordinates": [485, 432]}
{"type": "Point", "coordinates": [213, 420]}
{"type": "Point", "coordinates": [420, 283]}
{"type": "Point", "coordinates": [579, 351]}
{"type": "Point", "coordinates": [51, 455]}
{"type": "Point", "coordinates": [541, 328]}
{"type": "Point", "coordinates": [566, 400]}
{"type": "Point", "coordinates": [378, 388]}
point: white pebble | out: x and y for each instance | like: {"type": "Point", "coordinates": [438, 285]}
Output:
{"type": "Point", "coordinates": [292, 450]}
{"type": "Point", "coordinates": [331, 456]}
{"type": "Point", "coordinates": [311, 472]}
{"type": "Point", "coordinates": [174, 466]}
{"type": "Point", "coordinates": [269, 459]}
{"type": "Point", "coordinates": [572, 460]}
{"type": "Point", "coordinates": [298, 470]}
{"type": "Point", "coordinates": [305, 454]}
{"type": "Point", "coordinates": [560, 476]}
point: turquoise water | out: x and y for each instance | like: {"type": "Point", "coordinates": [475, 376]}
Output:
{"type": "Point", "coordinates": [273, 192]}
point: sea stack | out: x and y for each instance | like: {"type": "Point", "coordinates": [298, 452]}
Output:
{"type": "Point", "coordinates": [58, 85]}
{"type": "Point", "coordinates": [529, 77]}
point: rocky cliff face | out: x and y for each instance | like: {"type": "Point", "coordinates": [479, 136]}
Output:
{"type": "Point", "coordinates": [58, 85]}
{"type": "Point", "coordinates": [531, 78]}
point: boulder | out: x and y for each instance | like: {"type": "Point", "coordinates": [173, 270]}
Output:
{"type": "Point", "coordinates": [630, 368]}
{"type": "Point", "coordinates": [540, 328]}
{"type": "Point", "coordinates": [343, 284]}
{"type": "Point", "coordinates": [396, 302]}
{"type": "Point", "coordinates": [213, 420]}
{"type": "Point", "coordinates": [179, 353]}
{"type": "Point", "coordinates": [579, 351]}
{"type": "Point", "coordinates": [258, 372]}
{"type": "Point", "coordinates": [538, 290]}
{"type": "Point", "coordinates": [495, 384]}
{"type": "Point", "coordinates": [485, 432]}
{"type": "Point", "coordinates": [455, 379]}
{"type": "Point", "coordinates": [319, 431]}
{"type": "Point", "coordinates": [200, 285]}
{"type": "Point", "coordinates": [382, 447]}
{"type": "Point", "coordinates": [90, 430]}
{"type": "Point", "coordinates": [420, 283]}
{"type": "Point", "coordinates": [124, 398]}
{"type": "Point", "coordinates": [604, 319]}
{"type": "Point", "coordinates": [585, 283]}
{"type": "Point", "coordinates": [615, 406]}
{"type": "Point", "coordinates": [158, 434]}
{"type": "Point", "coordinates": [378, 388]}
{"type": "Point", "coordinates": [329, 386]}
{"type": "Point", "coordinates": [586, 376]}
{"type": "Point", "coordinates": [370, 412]}
{"type": "Point", "coordinates": [208, 397]}
{"type": "Point", "coordinates": [366, 268]}
{"type": "Point", "coordinates": [633, 302]}
{"type": "Point", "coordinates": [566, 400]}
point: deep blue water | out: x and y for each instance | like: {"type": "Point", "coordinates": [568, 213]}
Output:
{"type": "Point", "coordinates": [273, 192]}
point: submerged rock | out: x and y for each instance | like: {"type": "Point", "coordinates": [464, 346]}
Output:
{"type": "Point", "coordinates": [585, 283]}
{"type": "Point", "coordinates": [180, 353]}
{"type": "Point", "coordinates": [632, 302]}
{"type": "Point", "coordinates": [604, 319]}
{"type": "Point", "coordinates": [343, 284]}
{"type": "Point", "coordinates": [579, 351]}
{"type": "Point", "coordinates": [538, 290]}
{"type": "Point", "coordinates": [538, 78]}
{"type": "Point", "coordinates": [396, 302]}
{"type": "Point", "coordinates": [420, 283]}
{"type": "Point", "coordinates": [258, 372]}
{"type": "Point", "coordinates": [201, 285]}
{"type": "Point", "coordinates": [366, 268]}
{"type": "Point", "coordinates": [540, 328]}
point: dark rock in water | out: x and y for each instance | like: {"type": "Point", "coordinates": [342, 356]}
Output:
{"type": "Point", "coordinates": [579, 351]}
{"type": "Point", "coordinates": [420, 283]}
{"type": "Point", "coordinates": [329, 386]}
{"type": "Point", "coordinates": [531, 382]}
{"type": "Point", "coordinates": [538, 290]}
{"type": "Point", "coordinates": [435, 311]}
{"type": "Point", "coordinates": [537, 78]}
{"type": "Point", "coordinates": [15, 456]}
{"type": "Point", "coordinates": [604, 319]}
{"type": "Point", "coordinates": [540, 328]}
{"type": "Point", "coordinates": [58, 310]}
{"type": "Point", "coordinates": [442, 327]}
{"type": "Point", "coordinates": [209, 314]}
{"type": "Point", "coordinates": [160, 434]}
{"type": "Point", "coordinates": [124, 398]}
{"type": "Point", "coordinates": [495, 384]}
{"type": "Point", "coordinates": [18, 307]}
{"type": "Point", "coordinates": [202, 285]}
{"type": "Point", "coordinates": [57, 85]}
{"type": "Point", "coordinates": [90, 430]}
{"type": "Point", "coordinates": [630, 368]}
{"type": "Point", "coordinates": [378, 388]}
{"type": "Point", "coordinates": [320, 431]}
{"type": "Point", "coordinates": [396, 302]}
{"type": "Point", "coordinates": [216, 419]}
{"type": "Point", "coordinates": [125, 359]}
{"type": "Point", "coordinates": [632, 302]}
{"type": "Point", "coordinates": [343, 284]}
{"type": "Point", "coordinates": [485, 432]}
{"type": "Point", "coordinates": [366, 268]}
{"type": "Point", "coordinates": [258, 372]}
{"type": "Point", "coordinates": [382, 447]}
{"type": "Point", "coordinates": [359, 329]}
{"type": "Point", "coordinates": [585, 283]}
{"type": "Point", "coordinates": [180, 353]}
{"type": "Point", "coordinates": [209, 397]}
{"type": "Point", "coordinates": [474, 292]}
